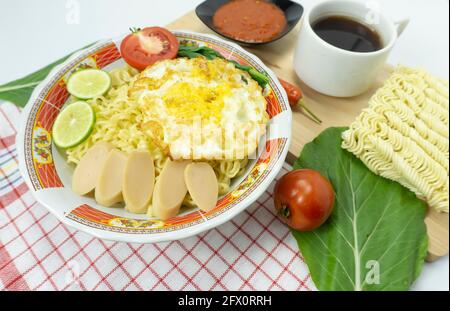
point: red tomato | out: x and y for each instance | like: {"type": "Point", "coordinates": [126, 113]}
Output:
{"type": "Point", "coordinates": [304, 199]}
{"type": "Point", "coordinates": [144, 47]}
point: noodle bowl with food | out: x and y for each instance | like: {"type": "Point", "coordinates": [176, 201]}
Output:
{"type": "Point", "coordinates": [139, 148]}
{"type": "Point", "coordinates": [194, 109]}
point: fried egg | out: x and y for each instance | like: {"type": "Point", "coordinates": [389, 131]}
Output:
{"type": "Point", "coordinates": [201, 109]}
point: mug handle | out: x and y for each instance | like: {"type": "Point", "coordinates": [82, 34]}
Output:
{"type": "Point", "coordinates": [401, 25]}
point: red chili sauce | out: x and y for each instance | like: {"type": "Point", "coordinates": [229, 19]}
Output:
{"type": "Point", "coordinates": [250, 20]}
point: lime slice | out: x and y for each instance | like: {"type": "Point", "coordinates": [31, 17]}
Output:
{"type": "Point", "coordinates": [73, 125]}
{"type": "Point", "coordinates": [89, 83]}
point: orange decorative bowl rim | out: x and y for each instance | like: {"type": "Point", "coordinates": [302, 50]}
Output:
{"type": "Point", "coordinates": [47, 175]}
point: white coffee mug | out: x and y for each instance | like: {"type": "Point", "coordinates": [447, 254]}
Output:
{"type": "Point", "coordinates": [334, 71]}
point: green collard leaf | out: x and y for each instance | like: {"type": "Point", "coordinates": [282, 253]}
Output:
{"type": "Point", "coordinates": [19, 91]}
{"type": "Point", "coordinates": [376, 237]}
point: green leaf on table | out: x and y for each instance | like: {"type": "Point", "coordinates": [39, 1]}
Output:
{"type": "Point", "coordinates": [376, 237]}
{"type": "Point", "coordinates": [19, 91]}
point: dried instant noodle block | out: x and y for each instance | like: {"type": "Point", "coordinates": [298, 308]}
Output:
{"type": "Point", "coordinates": [403, 135]}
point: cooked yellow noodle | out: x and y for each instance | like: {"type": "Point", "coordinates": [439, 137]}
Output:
{"type": "Point", "coordinates": [403, 135]}
{"type": "Point", "coordinates": [119, 120]}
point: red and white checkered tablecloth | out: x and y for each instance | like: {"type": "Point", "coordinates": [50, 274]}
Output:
{"type": "Point", "coordinates": [253, 251]}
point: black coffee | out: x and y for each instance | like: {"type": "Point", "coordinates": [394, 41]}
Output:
{"type": "Point", "coordinates": [348, 34]}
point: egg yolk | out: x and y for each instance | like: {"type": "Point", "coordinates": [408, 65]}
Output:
{"type": "Point", "coordinates": [186, 101]}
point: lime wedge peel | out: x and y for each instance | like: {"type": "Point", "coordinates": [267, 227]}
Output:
{"type": "Point", "coordinates": [73, 125]}
{"type": "Point", "coordinates": [89, 83]}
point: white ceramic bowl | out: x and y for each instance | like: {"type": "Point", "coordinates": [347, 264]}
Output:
{"type": "Point", "coordinates": [49, 177]}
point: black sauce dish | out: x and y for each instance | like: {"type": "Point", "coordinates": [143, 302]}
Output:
{"type": "Point", "coordinates": [292, 11]}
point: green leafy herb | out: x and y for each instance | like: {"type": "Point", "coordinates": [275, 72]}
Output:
{"type": "Point", "coordinates": [19, 91]}
{"type": "Point", "coordinates": [191, 51]}
{"type": "Point", "coordinates": [376, 237]}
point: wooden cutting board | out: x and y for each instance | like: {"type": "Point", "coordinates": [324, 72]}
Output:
{"type": "Point", "coordinates": [333, 112]}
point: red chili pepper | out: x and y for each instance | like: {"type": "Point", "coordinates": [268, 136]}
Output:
{"type": "Point", "coordinates": [295, 98]}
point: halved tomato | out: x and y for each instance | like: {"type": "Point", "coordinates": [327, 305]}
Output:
{"type": "Point", "coordinates": [144, 47]}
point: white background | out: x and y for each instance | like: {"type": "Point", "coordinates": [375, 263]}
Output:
{"type": "Point", "coordinates": [34, 33]}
